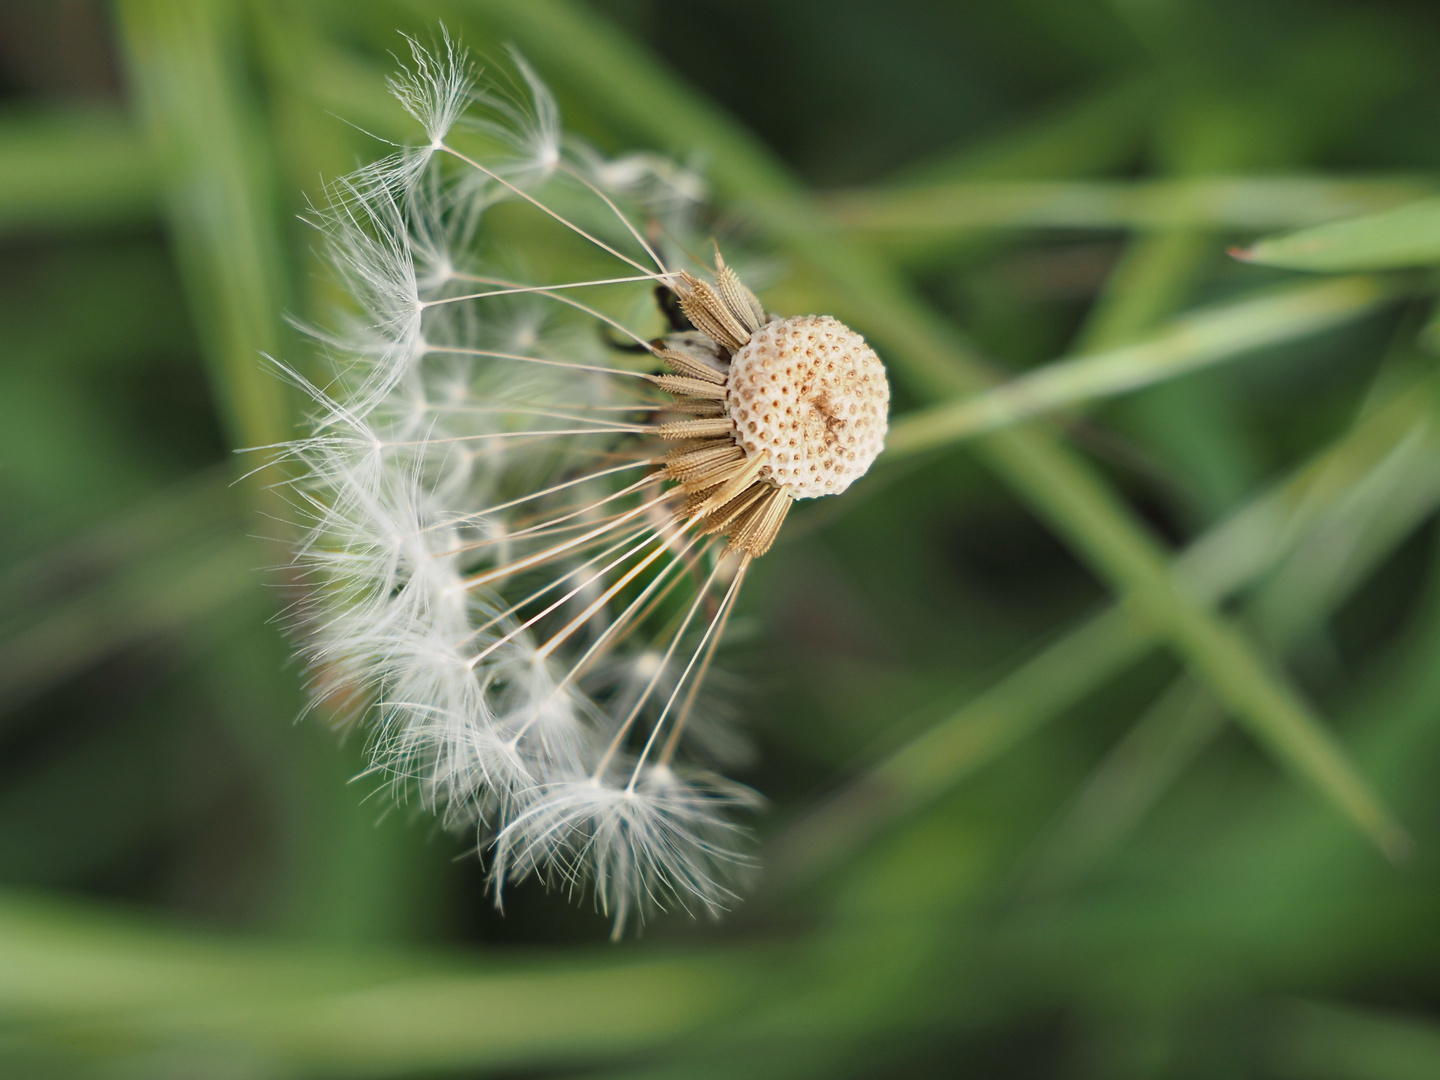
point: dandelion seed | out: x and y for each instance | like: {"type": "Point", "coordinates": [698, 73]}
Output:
{"type": "Point", "coordinates": [530, 515]}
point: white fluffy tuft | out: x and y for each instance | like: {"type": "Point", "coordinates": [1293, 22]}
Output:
{"type": "Point", "coordinates": [494, 569]}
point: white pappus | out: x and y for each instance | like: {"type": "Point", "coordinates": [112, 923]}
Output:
{"type": "Point", "coordinates": [530, 503]}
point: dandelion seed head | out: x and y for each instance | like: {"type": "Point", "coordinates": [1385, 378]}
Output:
{"type": "Point", "coordinates": [527, 518]}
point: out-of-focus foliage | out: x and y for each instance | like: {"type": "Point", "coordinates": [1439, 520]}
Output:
{"type": "Point", "coordinates": [1101, 722]}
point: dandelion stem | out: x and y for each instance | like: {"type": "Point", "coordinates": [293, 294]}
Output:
{"type": "Point", "coordinates": [482, 514]}
{"type": "Point", "coordinates": [592, 312]}
{"type": "Point", "coordinates": [623, 219]}
{"type": "Point", "coordinates": [521, 410]}
{"type": "Point", "coordinates": [614, 429]}
{"type": "Point", "coordinates": [541, 557]}
{"type": "Point", "coordinates": [541, 206]}
{"type": "Point", "coordinates": [672, 743]}
{"type": "Point", "coordinates": [654, 678]}
{"type": "Point", "coordinates": [544, 526]}
{"type": "Point", "coordinates": [709, 639]}
{"type": "Point", "coordinates": [544, 652]}
{"type": "Point", "coordinates": [518, 290]}
{"type": "Point", "coordinates": [605, 597]}
{"type": "Point", "coordinates": [629, 618]}
{"type": "Point", "coordinates": [515, 608]}
{"type": "Point", "coordinates": [458, 350]}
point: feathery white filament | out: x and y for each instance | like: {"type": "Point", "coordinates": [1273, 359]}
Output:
{"type": "Point", "coordinates": [494, 557]}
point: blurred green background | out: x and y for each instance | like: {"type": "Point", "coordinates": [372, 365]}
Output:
{"type": "Point", "coordinates": [1101, 722]}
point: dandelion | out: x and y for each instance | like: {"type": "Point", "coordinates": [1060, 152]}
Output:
{"type": "Point", "coordinates": [533, 493]}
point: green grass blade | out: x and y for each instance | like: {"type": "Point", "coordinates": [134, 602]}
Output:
{"type": "Point", "coordinates": [1087, 134]}
{"type": "Point", "coordinates": [1325, 1041]}
{"type": "Point", "coordinates": [1234, 553]}
{"type": "Point", "coordinates": [142, 531]}
{"type": "Point", "coordinates": [95, 307]}
{"type": "Point", "coordinates": [1095, 134]}
{"type": "Point", "coordinates": [1355, 534]}
{"type": "Point", "coordinates": [1194, 427]}
{"type": "Point", "coordinates": [1406, 236]}
{"type": "Point", "coordinates": [1194, 341]}
{"type": "Point", "coordinates": [1250, 687]}
{"type": "Point", "coordinates": [115, 984]}
{"type": "Point", "coordinates": [948, 752]}
{"type": "Point", "coordinates": [1127, 783]}
{"type": "Point", "coordinates": [73, 168]}
{"type": "Point", "coordinates": [184, 68]}
{"type": "Point", "coordinates": [1352, 540]}
{"type": "Point", "coordinates": [1233, 203]}
{"type": "Point", "coordinates": [145, 601]}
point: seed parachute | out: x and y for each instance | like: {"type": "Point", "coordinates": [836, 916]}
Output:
{"type": "Point", "coordinates": [532, 493]}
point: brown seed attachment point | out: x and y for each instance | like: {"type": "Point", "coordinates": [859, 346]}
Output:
{"type": "Point", "coordinates": [812, 394]}
{"type": "Point", "coordinates": [802, 408]}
